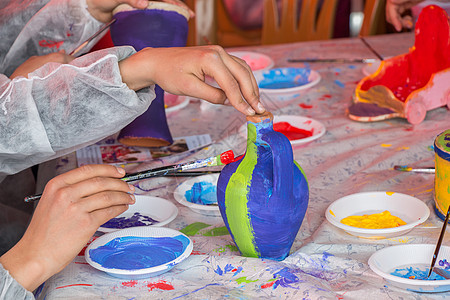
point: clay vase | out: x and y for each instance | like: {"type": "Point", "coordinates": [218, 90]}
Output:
{"type": "Point", "coordinates": [263, 197]}
{"type": "Point", "coordinates": [160, 25]}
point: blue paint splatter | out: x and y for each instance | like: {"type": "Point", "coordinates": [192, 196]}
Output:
{"type": "Point", "coordinates": [204, 193]}
{"type": "Point", "coordinates": [133, 253]}
{"type": "Point", "coordinates": [352, 67]}
{"type": "Point", "coordinates": [218, 271]}
{"type": "Point", "coordinates": [339, 83]}
{"type": "Point", "coordinates": [136, 220]}
{"type": "Point", "coordinates": [416, 273]}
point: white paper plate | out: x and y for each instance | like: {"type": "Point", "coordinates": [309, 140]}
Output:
{"type": "Point", "coordinates": [256, 61]}
{"type": "Point", "coordinates": [175, 102]}
{"type": "Point", "coordinates": [388, 260]}
{"type": "Point", "coordinates": [300, 122]}
{"type": "Point", "coordinates": [180, 195]}
{"type": "Point", "coordinates": [147, 232]}
{"type": "Point", "coordinates": [158, 209]}
{"type": "Point", "coordinates": [370, 68]}
{"type": "Point", "coordinates": [410, 209]}
{"type": "Point", "coordinates": [288, 74]}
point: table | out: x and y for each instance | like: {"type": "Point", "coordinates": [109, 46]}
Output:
{"type": "Point", "coordinates": [325, 262]}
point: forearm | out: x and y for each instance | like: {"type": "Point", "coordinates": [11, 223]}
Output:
{"type": "Point", "coordinates": [63, 107]}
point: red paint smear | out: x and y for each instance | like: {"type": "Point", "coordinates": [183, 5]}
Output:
{"type": "Point", "coordinates": [50, 44]}
{"type": "Point", "coordinates": [78, 284]}
{"type": "Point", "coordinates": [198, 253]}
{"type": "Point", "coordinates": [327, 96]}
{"type": "Point", "coordinates": [234, 270]}
{"type": "Point", "coordinates": [409, 72]}
{"type": "Point", "coordinates": [130, 283]}
{"type": "Point", "coordinates": [162, 285]}
{"type": "Point", "coordinates": [227, 157]}
{"type": "Point", "coordinates": [291, 132]}
{"type": "Point", "coordinates": [267, 285]}
{"type": "Point", "coordinates": [306, 106]}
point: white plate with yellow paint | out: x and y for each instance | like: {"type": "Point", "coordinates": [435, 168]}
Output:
{"type": "Point", "coordinates": [411, 210]}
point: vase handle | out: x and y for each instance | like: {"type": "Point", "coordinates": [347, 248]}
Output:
{"type": "Point", "coordinates": [283, 165]}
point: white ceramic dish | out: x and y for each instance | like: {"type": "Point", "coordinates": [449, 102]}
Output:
{"type": "Point", "coordinates": [256, 61]}
{"type": "Point", "coordinates": [305, 123]}
{"type": "Point", "coordinates": [271, 82]}
{"type": "Point", "coordinates": [175, 102]}
{"type": "Point", "coordinates": [158, 209]}
{"type": "Point", "coordinates": [370, 68]}
{"type": "Point", "coordinates": [410, 209]}
{"type": "Point", "coordinates": [387, 260]}
{"type": "Point", "coordinates": [180, 195]}
{"type": "Point", "coordinates": [146, 232]}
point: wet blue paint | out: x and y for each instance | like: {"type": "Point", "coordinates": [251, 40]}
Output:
{"type": "Point", "coordinates": [134, 253]}
{"type": "Point", "coordinates": [204, 193]}
{"type": "Point", "coordinates": [416, 273]}
{"type": "Point", "coordinates": [283, 78]}
{"type": "Point", "coordinates": [135, 220]}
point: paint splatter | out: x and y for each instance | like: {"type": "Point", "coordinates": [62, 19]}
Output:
{"type": "Point", "coordinates": [134, 221]}
{"type": "Point", "coordinates": [130, 283]}
{"type": "Point", "coordinates": [193, 228]}
{"type": "Point", "coordinates": [162, 285]}
{"type": "Point", "coordinates": [77, 284]}
{"type": "Point", "coordinates": [244, 279]}
{"type": "Point", "coordinates": [305, 106]}
{"type": "Point", "coordinates": [386, 145]}
{"type": "Point", "coordinates": [218, 231]}
{"type": "Point", "coordinates": [339, 83]}
{"type": "Point", "coordinates": [50, 44]}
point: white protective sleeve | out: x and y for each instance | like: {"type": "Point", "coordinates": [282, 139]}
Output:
{"type": "Point", "coordinates": [11, 289]}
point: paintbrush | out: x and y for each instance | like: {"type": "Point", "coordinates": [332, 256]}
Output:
{"type": "Point", "coordinates": [85, 43]}
{"type": "Point", "coordinates": [418, 170]}
{"type": "Point", "coordinates": [332, 60]}
{"type": "Point", "coordinates": [370, 48]}
{"type": "Point", "coordinates": [438, 245]}
{"type": "Point", "coordinates": [218, 160]}
{"type": "Point", "coordinates": [191, 173]}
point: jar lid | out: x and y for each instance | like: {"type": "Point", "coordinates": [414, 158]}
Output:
{"type": "Point", "coordinates": [442, 145]}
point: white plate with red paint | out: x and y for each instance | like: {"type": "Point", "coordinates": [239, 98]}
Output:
{"type": "Point", "coordinates": [256, 61]}
{"type": "Point", "coordinates": [298, 129]}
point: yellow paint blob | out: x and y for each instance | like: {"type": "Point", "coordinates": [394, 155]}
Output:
{"type": "Point", "coordinates": [386, 145]}
{"type": "Point", "coordinates": [390, 193]}
{"type": "Point", "coordinates": [374, 221]}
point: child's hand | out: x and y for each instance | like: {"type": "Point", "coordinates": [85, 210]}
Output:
{"type": "Point", "coordinates": [71, 209]}
{"type": "Point", "coordinates": [35, 62]}
{"type": "Point", "coordinates": [394, 11]}
{"type": "Point", "coordinates": [182, 71]}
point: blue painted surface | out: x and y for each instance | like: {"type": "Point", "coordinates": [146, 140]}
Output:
{"type": "Point", "coordinates": [204, 193]}
{"type": "Point", "coordinates": [135, 220]}
{"type": "Point", "coordinates": [276, 198]}
{"type": "Point", "coordinates": [283, 78]}
{"type": "Point", "coordinates": [134, 253]}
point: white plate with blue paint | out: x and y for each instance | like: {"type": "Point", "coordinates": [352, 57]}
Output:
{"type": "Point", "coordinates": [138, 252]}
{"type": "Point", "coordinates": [199, 194]}
{"type": "Point", "coordinates": [286, 84]}
{"type": "Point", "coordinates": [397, 263]}
{"type": "Point", "coordinates": [147, 211]}
{"type": "Point", "coordinates": [299, 125]}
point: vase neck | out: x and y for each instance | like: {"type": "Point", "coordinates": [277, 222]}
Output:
{"type": "Point", "coordinates": [255, 130]}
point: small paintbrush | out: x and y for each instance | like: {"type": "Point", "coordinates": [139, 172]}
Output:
{"type": "Point", "coordinates": [85, 43]}
{"type": "Point", "coordinates": [438, 245]}
{"type": "Point", "coordinates": [418, 170]}
{"type": "Point", "coordinates": [218, 160]}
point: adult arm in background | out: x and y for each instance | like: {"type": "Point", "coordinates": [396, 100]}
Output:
{"type": "Point", "coordinates": [72, 207]}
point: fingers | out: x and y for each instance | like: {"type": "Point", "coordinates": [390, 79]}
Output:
{"type": "Point", "coordinates": [393, 16]}
{"type": "Point", "coordinates": [140, 4]}
{"type": "Point", "coordinates": [102, 216]}
{"type": "Point", "coordinates": [104, 200]}
{"type": "Point", "coordinates": [88, 172]}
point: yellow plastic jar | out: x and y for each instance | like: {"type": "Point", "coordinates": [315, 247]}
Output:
{"type": "Point", "coordinates": [442, 175]}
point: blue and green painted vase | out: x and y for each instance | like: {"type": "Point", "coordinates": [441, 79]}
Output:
{"type": "Point", "coordinates": [263, 196]}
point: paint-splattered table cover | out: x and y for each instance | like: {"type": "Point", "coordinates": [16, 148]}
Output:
{"type": "Point", "coordinates": [352, 157]}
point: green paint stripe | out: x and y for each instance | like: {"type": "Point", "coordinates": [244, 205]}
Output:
{"type": "Point", "coordinates": [245, 280]}
{"type": "Point", "coordinates": [193, 228]}
{"type": "Point", "coordinates": [236, 202]}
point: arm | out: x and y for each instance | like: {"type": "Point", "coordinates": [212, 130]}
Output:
{"type": "Point", "coordinates": [72, 207]}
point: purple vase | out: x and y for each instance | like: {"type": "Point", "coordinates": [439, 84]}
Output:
{"type": "Point", "coordinates": [263, 197]}
{"type": "Point", "coordinates": [160, 25]}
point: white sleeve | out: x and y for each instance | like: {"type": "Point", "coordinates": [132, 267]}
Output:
{"type": "Point", "coordinates": [10, 288]}
{"type": "Point", "coordinates": [63, 107]}
{"type": "Point", "coordinates": [59, 25]}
